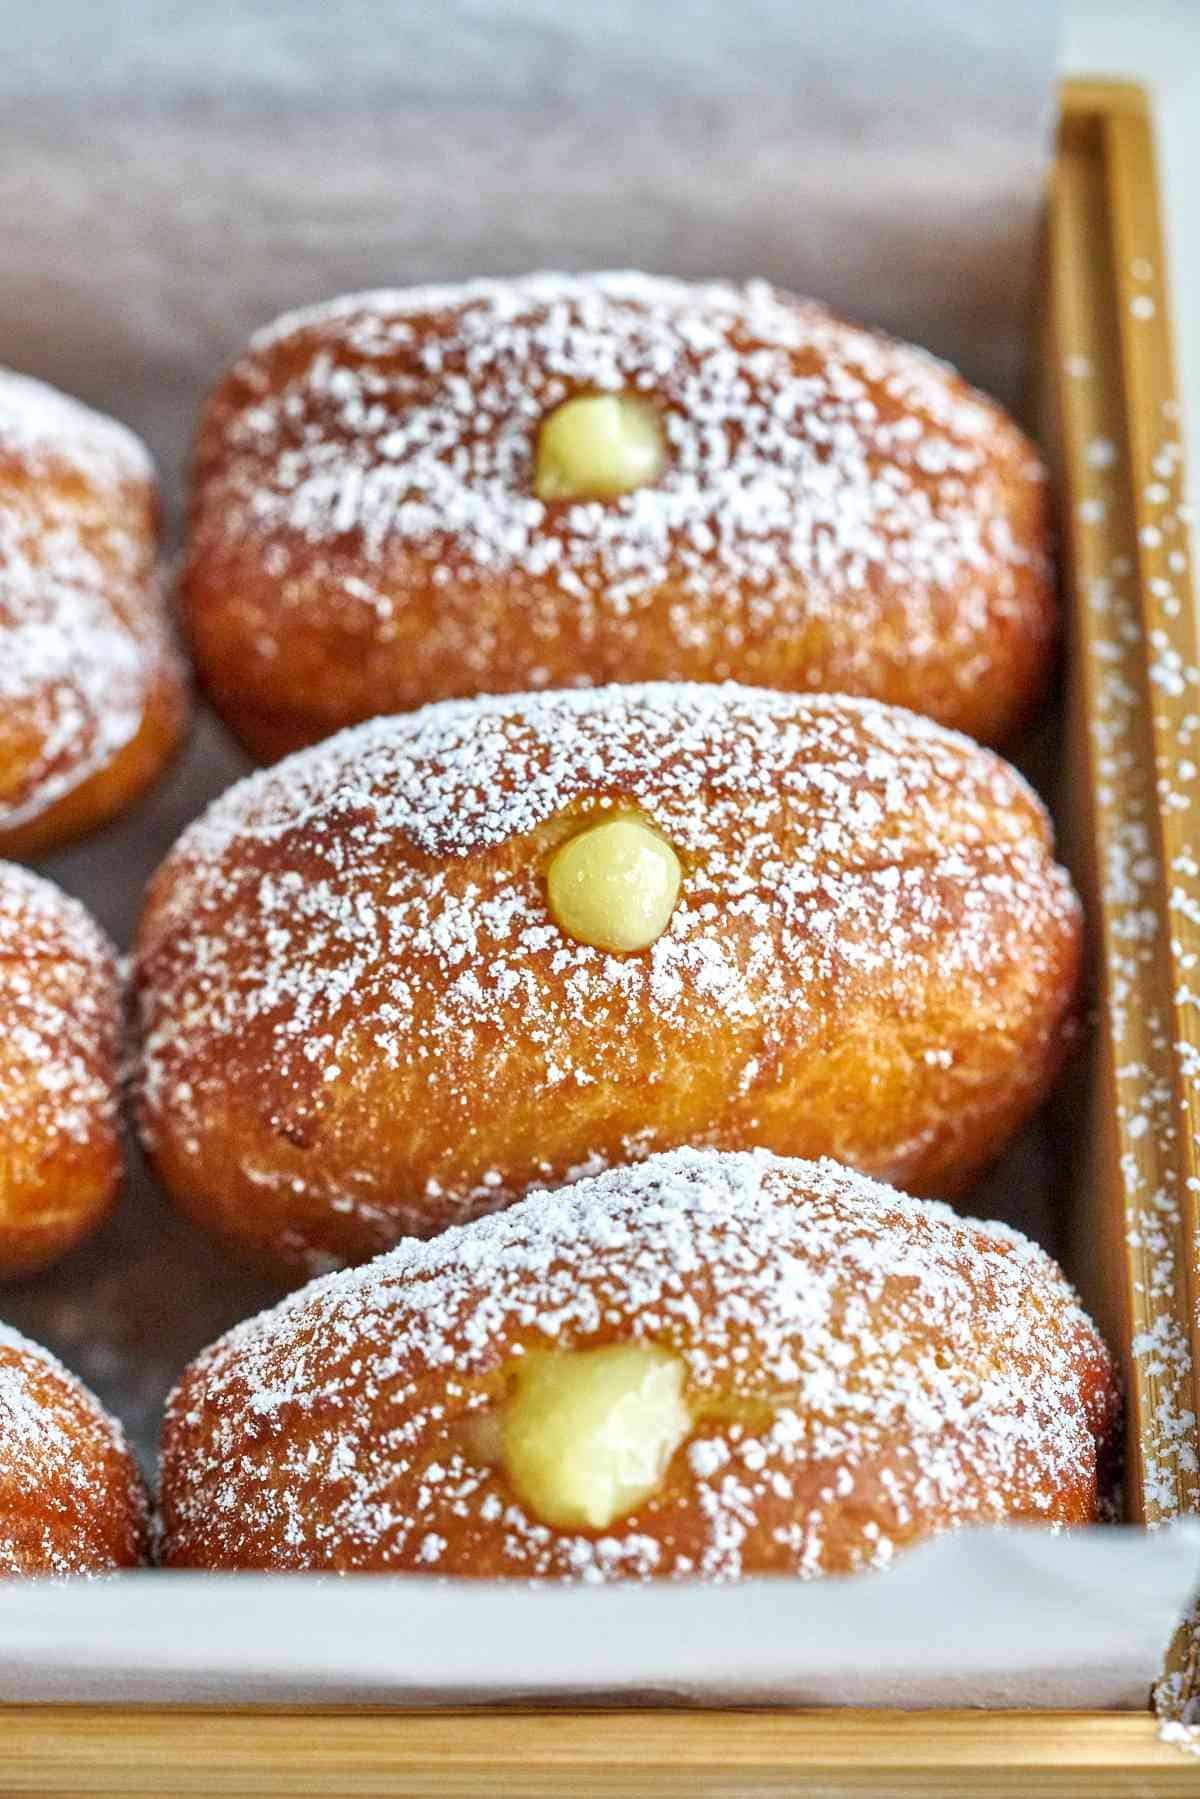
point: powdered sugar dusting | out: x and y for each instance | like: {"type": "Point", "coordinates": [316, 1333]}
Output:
{"type": "Point", "coordinates": [378, 903]}
{"type": "Point", "coordinates": [65, 1469]}
{"type": "Point", "coordinates": [59, 1004]}
{"type": "Point", "coordinates": [862, 1368]}
{"type": "Point", "coordinates": [44, 429]}
{"type": "Point", "coordinates": [80, 631]}
{"type": "Point", "coordinates": [816, 472]}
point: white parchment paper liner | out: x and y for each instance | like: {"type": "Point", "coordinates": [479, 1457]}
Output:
{"type": "Point", "coordinates": [1000, 1618]}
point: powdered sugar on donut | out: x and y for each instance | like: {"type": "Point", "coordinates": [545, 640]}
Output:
{"type": "Point", "coordinates": [379, 902]}
{"type": "Point", "coordinates": [815, 471]}
{"type": "Point", "coordinates": [66, 1473]}
{"type": "Point", "coordinates": [47, 429]}
{"type": "Point", "coordinates": [900, 1369]}
{"type": "Point", "coordinates": [60, 1007]}
{"type": "Point", "coordinates": [80, 634]}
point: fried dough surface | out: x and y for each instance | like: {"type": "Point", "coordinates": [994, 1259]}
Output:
{"type": "Point", "coordinates": [92, 694]}
{"type": "Point", "coordinates": [71, 1498]}
{"type": "Point", "coordinates": [834, 511]}
{"type": "Point", "coordinates": [60, 1147]}
{"type": "Point", "coordinates": [360, 1018]}
{"type": "Point", "coordinates": [860, 1370]}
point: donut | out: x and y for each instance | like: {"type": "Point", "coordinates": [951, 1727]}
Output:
{"type": "Point", "coordinates": [92, 697]}
{"type": "Point", "coordinates": [404, 976]}
{"type": "Point", "coordinates": [71, 1498]}
{"type": "Point", "coordinates": [567, 480]}
{"type": "Point", "coordinates": [710, 1364]}
{"type": "Point", "coordinates": [60, 1146]}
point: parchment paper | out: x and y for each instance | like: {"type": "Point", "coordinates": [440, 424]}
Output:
{"type": "Point", "coordinates": [170, 177]}
{"type": "Point", "coordinates": [984, 1618]}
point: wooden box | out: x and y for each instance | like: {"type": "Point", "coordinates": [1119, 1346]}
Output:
{"type": "Point", "coordinates": [1108, 416]}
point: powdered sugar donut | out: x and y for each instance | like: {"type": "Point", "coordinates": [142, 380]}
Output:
{"type": "Point", "coordinates": [572, 479]}
{"type": "Point", "coordinates": [711, 1364]}
{"type": "Point", "coordinates": [71, 1498]}
{"type": "Point", "coordinates": [91, 693]}
{"type": "Point", "coordinates": [441, 958]}
{"type": "Point", "coordinates": [60, 1145]}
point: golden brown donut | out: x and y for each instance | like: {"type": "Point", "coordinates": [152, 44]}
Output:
{"type": "Point", "coordinates": [827, 1371]}
{"type": "Point", "coordinates": [361, 1018]}
{"type": "Point", "coordinates": [834, 511]}
{"type": "Point", "coordinates": [71, 1498]}
{"type": "Point", "coordinates": [60, 1145]}
{"type": "Point", "coordinates": [92, 698]}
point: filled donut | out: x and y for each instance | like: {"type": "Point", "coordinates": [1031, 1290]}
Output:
{"type": "Point", "coordinates": [569, 480]}
{"type": "Point", "coordinates": [440, 959]}
{"type": "Point", "coordinates": [71, 1498]}
{"type": "Point", "coordinates": [92, 698]}
{"type": "Point", "coordinates": [60, 1145]}
{"type": "Point", "coordinates": [707, 1365]}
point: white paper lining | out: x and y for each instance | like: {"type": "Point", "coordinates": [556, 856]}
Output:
{"type": "Point", "coordinates": [983, 1618]}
